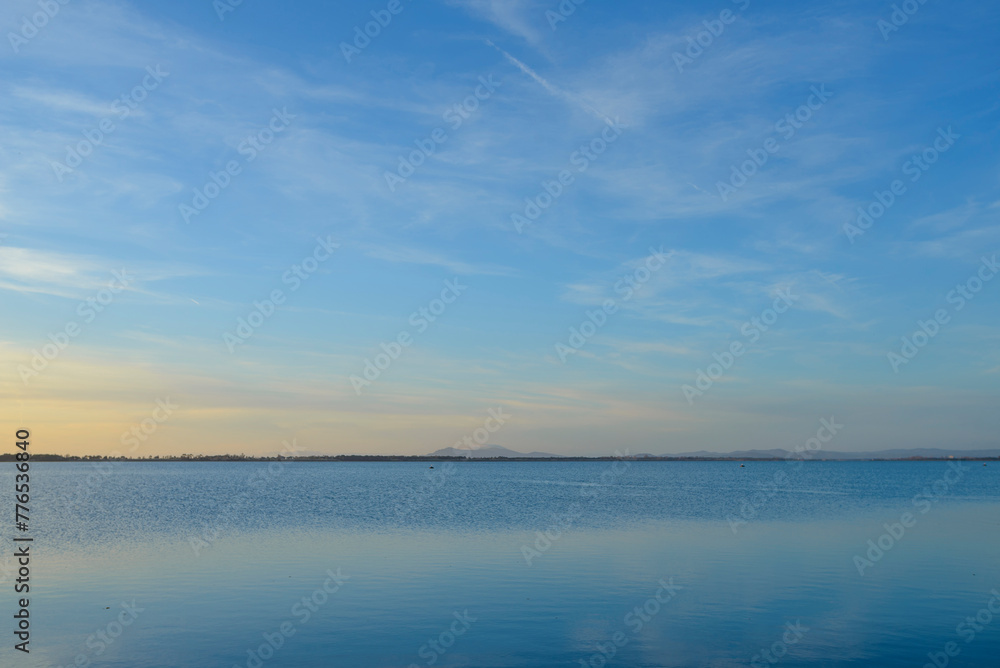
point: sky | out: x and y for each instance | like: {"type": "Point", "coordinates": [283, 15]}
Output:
{"type": "Point", "coordinates": [388, 227]}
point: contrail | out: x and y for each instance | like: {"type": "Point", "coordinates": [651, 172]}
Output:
{"type": "Point", "coordinates": [700, 189]}
{"type": "Point", "coordinates": [557, 92]}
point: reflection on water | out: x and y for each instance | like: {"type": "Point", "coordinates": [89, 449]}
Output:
{"type": "Point", "coordinates": [691, 564]}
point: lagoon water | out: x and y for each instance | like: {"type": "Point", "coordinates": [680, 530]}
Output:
{"type": "Point", "coordinates": [511, 564]}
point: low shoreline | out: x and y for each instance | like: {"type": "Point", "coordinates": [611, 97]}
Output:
{"type": "Point", "coordinates": [422, 458]}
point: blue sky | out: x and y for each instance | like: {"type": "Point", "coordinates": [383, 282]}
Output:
{"type": "Point", "coordinates": [642, 137]}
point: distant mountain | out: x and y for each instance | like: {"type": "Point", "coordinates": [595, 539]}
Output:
{"type": "Point", "coordinates": [927, 453]}
{"type": "Point", "coordinates": [487, 451]}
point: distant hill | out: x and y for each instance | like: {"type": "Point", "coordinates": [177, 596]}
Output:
{"type": "Point", "coordinates": [488, 451]}
{"type": "Point", "coordinates": [924, 453]}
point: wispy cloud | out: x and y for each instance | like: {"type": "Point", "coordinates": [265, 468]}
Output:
{"type": "Point", "coordinates": [62, 100]}
{"type": "Point", "coordinates": [39, 270]}
{"type": "Point", "coordinates": [513, 16]}
{"type": "Point", "coordinates": [416, 256]}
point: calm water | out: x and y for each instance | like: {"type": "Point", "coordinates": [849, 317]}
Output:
{"type": "Point", "coordinates": [655, 563]}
